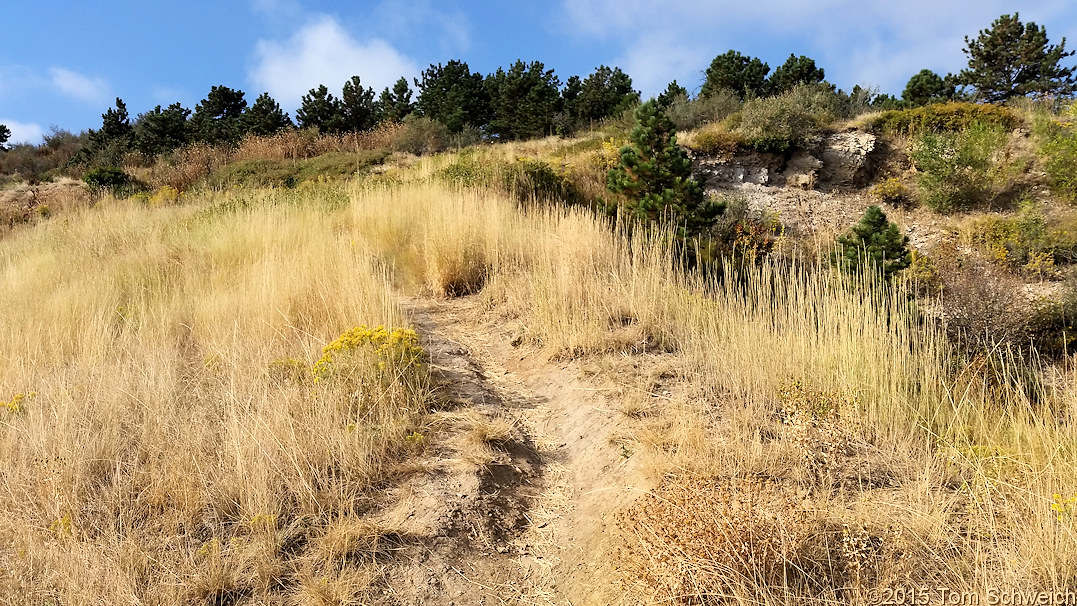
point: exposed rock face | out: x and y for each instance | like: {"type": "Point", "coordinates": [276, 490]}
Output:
{"type": "Point", "coordinates": [754, 168]}
{"type": "Point", "coordinates": [840, 160]}
{"type": "Point", "coordinates": [846, 158]}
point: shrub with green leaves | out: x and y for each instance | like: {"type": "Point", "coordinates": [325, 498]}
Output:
{"type": "Point", "coordinates": [106, 177]}
{"type": "Point", "coordinates": [692, 113]}
{"type": "Point", "coordinates": [944, 117]}
{"type": "Point", "coordinates": [655, 177]}
{"type": "Point", "coordinates": [794, 119]}
{"type": "Point", "coordinates": [961, 170]}
{"type": "Point", "coordinates": [1059, 153]}
{"type": "Point", "coordinates": [875, 244]}
{"type": "Point", "coordinates": [1028, 242]}
{"type": "Point", "coordinates": [422, 135]}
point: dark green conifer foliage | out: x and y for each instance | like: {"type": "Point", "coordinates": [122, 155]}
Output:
{"type": "Point", "coordinates": [795, 70]}
{"type": "Point", "coordinates": [1013, 59]}
{"type": "Point", "coordinates": [570, 94]}
{"type": "Point", "coordinates": [523, 100]}
{"type": "Point", "coordinates": [655, 175]}
{"type": "Point", "coordinates": [357, 110]}
{"type": "Point", "coordinates": [5, 134]}
{"type": "Point", "coordinates": [265, 117]}
{"type": "Point", "coordinates": [606, 92]}
{"type": "Point", "coordinates": [320, 109]}
{"type": "Point", "coordinates": [454, 96]}
{"type": "Point", "coordinates": [219, 117]}
{"type": "Point", "coordinates": [395, 105]}
{"type": "Point", "coordinates": [160, 131]}
{"type": "Point", "coordinates": [115, 138]}
{"type": "Point", "coordinates": [674, 92]}
{"type": "Point", "coordinates": [928, 87]}
{"type": "Point", "coordinates": [745, 76]}
{"type": "Point", "coordinates": [876, 241]}
{"type": "Point", "coordinates": [115, 124]}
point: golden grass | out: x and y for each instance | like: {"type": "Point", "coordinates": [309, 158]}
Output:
{"type": "Point", "coordinates": [163, 344]}
{"type": "Point", "coordinates": [161, 456]}
{"type": "Point", "coordinates": [953, 463]}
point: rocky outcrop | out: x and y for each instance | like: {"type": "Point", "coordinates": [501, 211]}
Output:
{"type": "Point", "coordinates": [754, 168]}
{"type": "Point", "coordinates": [840, 160]}
{"type": "Point", "coordinates": [846, 159]}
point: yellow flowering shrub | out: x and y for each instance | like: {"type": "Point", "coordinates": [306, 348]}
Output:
{"type": "Point", "coordinates": [165, 195]}
{"type": "Point", "coordinates": [375, 376]}
{"type": "Point", "coordinates": [16, 405]}
{"type": "Point", "coordinates": [395, 351]}
{"type": "Point", "coordinates": [891, 191]}
{"type": "Point", "coordinates": [1064, 508]}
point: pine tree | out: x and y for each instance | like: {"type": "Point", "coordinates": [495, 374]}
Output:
{"type": "Point", "coordinates": [395, 105]}
{"type": "Point", "coordinates": [655, 175]}
{"type": "Point", "coordinates": [876, 241]}
{"type": "Point", "coordinates": [1013, 59]}
{"type": "Point", "coordinates": [219, 117]}
{"type": "Point", "coordinates": [265, 117]}
{"type": "Point", "coordinates": [454, 96]}
{"type": "Point", "coordinates": [321, 110]}
{"type": "Point", "coordinates": [5, 134]}
{"type": "Point", "coordinates": [928, 87]}
{"type": "Point", "coordinates": [115, 124]}
{"type": "Point", "coordinates": [745, 76]}
{"type": "Point", "coordinates": [604, 93]}
{"type": "Point", "coordinates": [673, 93]}
{"type": "Point", "coordinates": [115, 138]}
{"type": "Point", "coordinates": [160, 131]}
{"type": "Point", "coordinates": [523, 100]}
{"type": "Point", "coordinates": [795, 70]}
{"type": "Point", "coordinates": [356, 106]}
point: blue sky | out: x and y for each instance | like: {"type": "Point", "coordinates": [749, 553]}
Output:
{"type": "Point", "coordinates": [62, 63]}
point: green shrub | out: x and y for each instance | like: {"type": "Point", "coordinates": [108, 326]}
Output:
{"type": "Point", "coordinates": [961, 170]}
{"type": "Point", "coordinates": [687, 114]}
{"type": "Point", "coordinates": [534, 180]}
{"type": "Point", "coordinates": [944, 117]}
{"type": "Point", "coordinates": [338, 164]}
{"type": "Point", "coordinates": [107, 177]}
{"type": "Point", "coordinates": [794, 119]}
{"type": "Point", "coordinates": [874, 242]}
{"type": "Point", "coordinates": [1052, 325]}
{"type": "Point", "coordinates": [1059, 152]}
{"type": "Point", "coordinates": [263, 172]}
{"type": "Point", "coordinates": [1027, 242]}
{"type": "Point", "coordinates": [743, 234]}
{"type": "Point", "coordinates": [718, 142]}
{"type": "Point", "coordinates": [421, 135]}
{"type": "Point", "coordinates": [526, 179]}
{"type": "Point", "coordinates": [115, 181]}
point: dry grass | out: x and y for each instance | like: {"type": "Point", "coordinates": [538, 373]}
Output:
{"type": "Point", "coordinates": [163, 455]}
{"type": "Point", "coordinates": [953, 464]}
{"type": "Point", "coordinates": [162, 346]}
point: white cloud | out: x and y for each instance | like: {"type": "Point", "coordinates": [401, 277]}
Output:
{"type": "Point", "coordinates": [653, 61]}
{"type": "Point", "coordinates": [74, 84]}
{"type": "Point", "coordinates": [23, 132]}
{"type": "Point", "coordinates": [855, 41]}
{"type": "Point", "coordinates": [405, 19]}
{"type": "Point", "coordinates": [322, 52]}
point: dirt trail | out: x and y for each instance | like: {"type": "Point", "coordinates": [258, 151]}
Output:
{"type": "Point", "coordinates": [531, 525]}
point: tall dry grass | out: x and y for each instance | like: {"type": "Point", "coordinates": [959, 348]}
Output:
{"type": "Point", "coordinates": [932, 458]}
{"type": "Point", "coordinates": [172, 445]}
{"type": "Point", "coordinates": [172, 452]}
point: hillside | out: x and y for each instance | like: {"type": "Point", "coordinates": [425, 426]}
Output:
{"type": "Point", "coordinates": [324, 370]}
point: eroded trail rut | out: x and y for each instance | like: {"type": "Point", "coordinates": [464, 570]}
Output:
{"type": "Point", "coordinates": [524, 475]}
